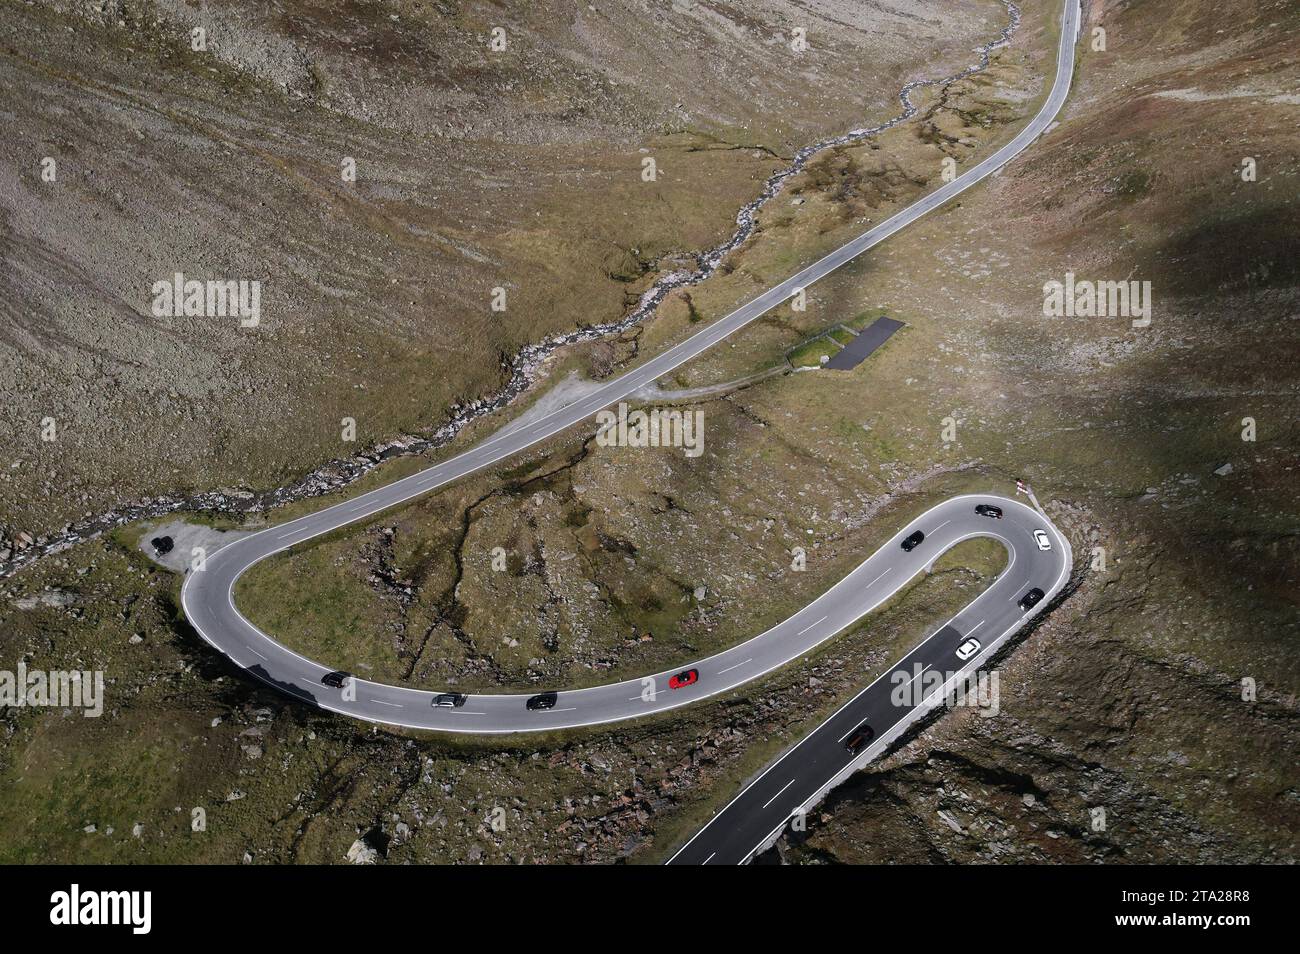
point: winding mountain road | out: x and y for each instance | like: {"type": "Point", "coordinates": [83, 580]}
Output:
{"type": "Point", "coordinates": [798, 778]}
{"type": "Point", "coordinates": [208, 601]}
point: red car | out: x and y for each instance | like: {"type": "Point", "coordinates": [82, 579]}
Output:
{"type": "Point", "coordinates": [687, 678]}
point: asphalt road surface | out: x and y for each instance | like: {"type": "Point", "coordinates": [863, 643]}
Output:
{"type": "Point", "coordinates": [903, 694]}
{"type": "Point", "coordinates": [874, 581]}
{"type": "Point", "coordinates": [207, 593]}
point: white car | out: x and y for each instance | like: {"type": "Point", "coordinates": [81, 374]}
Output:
{"type": "Point", "coordinates": [968, 649]}
{"type": "Point", "coordinates": [1044, 542]}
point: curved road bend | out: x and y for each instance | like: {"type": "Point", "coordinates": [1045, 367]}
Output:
{"type": "Point", "coordinates": [207, 594]}
{"type": "Point", "coordinates": [796, 780]}
{"type": "Point", "coordinates": [870, 584]}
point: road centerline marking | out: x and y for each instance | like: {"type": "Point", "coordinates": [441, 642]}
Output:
{"type": "Point", "coordinates": [778, 794]}
{"type": "Point", "coordinates": [811, 625]}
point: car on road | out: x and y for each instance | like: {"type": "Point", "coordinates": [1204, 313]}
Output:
{"type": "Point", "coordinates": [687, 677]}
{"type": "Point", "coordinates": [449, 700]}
{"type": "Point", "coordinates": [913, 540]}
{"type": "Point", "coordinates": [335, 680]}
{"type": "Point", "coordinates": [1030, 599]}
{"type": "Point", "coordinates": [543, 700]}
{"type": "Point", "coordinates": [988, 510]}
{"type": "Point", "coordinates": [1042, 539]}
{"type": "Point", "coordinates": [968, 649]}
{"type": "Point", "coordinates": [859, 739]}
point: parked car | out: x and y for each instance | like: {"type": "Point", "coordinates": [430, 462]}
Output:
{"type": "Point", "coordinates": [859, 739]}
{"type": "Point", "coordinates": [988, 510]}
{"type": "Point", "coordinates": [912, 541]}
{"type": "Point", "coordinates": [543, 700]}
{"type": "Point", "coordinates": [1042, 539]}
{"type": "Point", "coordinates": [968, 649]}
{"type": "Point", "coordinates": [335, 680]}
{"type": "Point", "coordinates": [449, 700]}
{"type": "Point", "coordinates": [1030, 599]}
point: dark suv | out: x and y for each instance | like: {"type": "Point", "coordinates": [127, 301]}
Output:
{"type": "Point", "coordinates": [449, 700]}
{"type": "Point", "coordinates": [988, 510]}
{"type": "Point", "coordinates": [1030, 599]}
{"type": "Point", "coordinates": [859, 739]}
{"type": "Point", "coordinates": [544, 700]}
{"type": "Point", "coordinates": [335, 680]}
{"type": "Point", "coordinates": [911, 542]}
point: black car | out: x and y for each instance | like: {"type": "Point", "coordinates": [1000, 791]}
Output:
{"type": "Point", "coordinates": [335, 680]}
{"type": "Point", "coordinates": [162, 545]}
{"type": "Point", "coordinates": [544, 700]}
{"type": "Point", "coordinates": [449, 700]}
{"type": "Point", "coordinates": [912, 542]}
{"type": "Point", "coordinates": [988, 510]}
{"type": "Point", "coordinates": [859, 739]}
{"type": "Point", "coordinates": [1030, 599]}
